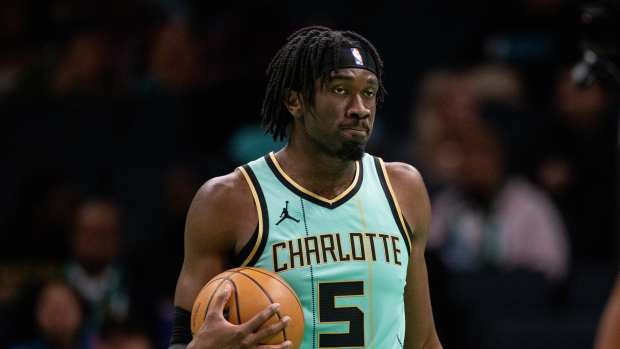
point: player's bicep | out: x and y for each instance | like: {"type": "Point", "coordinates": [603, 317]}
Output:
{"type": "Point", "coordinates": [420, 327]}
{"type": "Point", "coordinates": [207, 243]}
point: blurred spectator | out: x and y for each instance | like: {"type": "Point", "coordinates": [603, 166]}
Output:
{"type": "Point", "coordinates": [84, 68]}
{"type": "Point", "coordinates": [155, 263]}
{"type": "Point", "coordinates": [126, 341]}
{"type": "Point", "coordinates": [21, 22]}
{"type": "Point", "coordinates": [577, 164]}
{"type": "Point", "coordinates": [444, 102]}
{"type": "Point", "coordinates": [93, 270]}
{"type": "Point", "coordinates": [42, 227]}
{"type": "Point", "coordinates": [450, 100]}
{"type": "Point", "coordinates": [174, 61]}
{"type": "Point", "coordinates": [123, 335]}
{"type": "Point", "coordinates": [491, 220]}
{"type": "Point", "coordinates": [496, 83]}
{"type": "Point", "coordinates": [59, 319]}
{"type": "Point", "coordinates": [165, 251]}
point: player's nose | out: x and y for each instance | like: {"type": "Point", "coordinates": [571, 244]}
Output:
{"type": "Point", "coordinates": [357, 108]}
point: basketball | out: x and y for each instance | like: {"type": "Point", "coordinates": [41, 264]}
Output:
{"type": "Point", "coordinates": [253, 290]}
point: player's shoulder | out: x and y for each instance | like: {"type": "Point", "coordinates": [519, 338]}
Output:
{"type": "Point", "coordinates": [412, 196]}
{"type": "Point", "coordinates": [225, 191]}
{"type": "Point", "coordinates": [218, 206]}
{"type": "Point", "coordinates": [404, 174]}
{"type": "Point", "coordinates": [410, 191]}
{"type": "Point", "coordinates": [222, 185]}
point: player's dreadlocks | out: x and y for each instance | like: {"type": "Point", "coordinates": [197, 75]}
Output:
{"type": "Point", "coordinates": [299, 63]}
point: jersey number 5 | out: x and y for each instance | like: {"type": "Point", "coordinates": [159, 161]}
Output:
{"type": "Point", "coordinates": [329, 313]}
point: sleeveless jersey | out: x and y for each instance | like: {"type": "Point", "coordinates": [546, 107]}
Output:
{"type": "Point", "coordinates": [346, 257]}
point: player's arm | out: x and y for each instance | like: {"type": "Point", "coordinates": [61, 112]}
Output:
{"type": "Point", "coordinates": [608, 336]}
{"type": "Point", "coordinates": [413, 199]}
{"type": "Point", "coordinates": [219, 221]}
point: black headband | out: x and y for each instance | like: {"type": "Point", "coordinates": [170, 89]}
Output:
{"type": "Point", "coordinates": [349, 57]}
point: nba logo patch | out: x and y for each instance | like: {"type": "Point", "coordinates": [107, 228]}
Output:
{"type": "Point", "coordinates": [357, 56]}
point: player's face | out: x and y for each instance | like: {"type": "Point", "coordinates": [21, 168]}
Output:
{"type": "Point", "coordinates": [344, 111]}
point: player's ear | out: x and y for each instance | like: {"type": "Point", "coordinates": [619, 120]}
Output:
{"type": "Point", "coordinates": [294, 104]}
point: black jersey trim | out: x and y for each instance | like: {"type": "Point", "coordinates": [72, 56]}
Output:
{"type": "Point", "coordinates": [401, 222]}
{"type": "Point", "coordinates": [249, 254]}
{"type": "Point", "coordinates": [308, 195]}
{"type": "Point", "coordinates": [240, 258]}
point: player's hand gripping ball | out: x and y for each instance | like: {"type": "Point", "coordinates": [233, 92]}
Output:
{"type": "Point", "coordinates": [253, 290]}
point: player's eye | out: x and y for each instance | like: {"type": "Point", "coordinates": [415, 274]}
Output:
{"type": "Point", "coordinates": [370, 93]}
{"type": "Point", "coordinates": [339, 90]}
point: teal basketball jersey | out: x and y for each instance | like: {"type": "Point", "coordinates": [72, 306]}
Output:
{"type": "Point", "coordinates": [346, 257]}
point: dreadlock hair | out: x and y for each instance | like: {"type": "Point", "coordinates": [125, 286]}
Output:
{"type": "Point", "coordinates": [297, 65]}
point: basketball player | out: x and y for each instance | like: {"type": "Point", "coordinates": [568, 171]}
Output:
{"type": "Point", "coordinates": [346, 230]}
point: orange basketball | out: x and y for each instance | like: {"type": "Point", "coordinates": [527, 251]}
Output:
{"type": "Point", "coordinates": [253, 290]}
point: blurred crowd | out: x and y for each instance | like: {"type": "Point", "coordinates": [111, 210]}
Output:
{"type": "Point", "coordinates": [115, 112]}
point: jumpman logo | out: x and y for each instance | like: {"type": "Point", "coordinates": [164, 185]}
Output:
{"type": "Point", "coordinates": [284, 215]}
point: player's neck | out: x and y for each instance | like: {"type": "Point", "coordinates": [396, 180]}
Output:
{"type": "Point", "coordinates": [320, 173]}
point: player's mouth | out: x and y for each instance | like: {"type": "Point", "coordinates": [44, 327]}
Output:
{"type": "Point", "coordinates": [354, 133]}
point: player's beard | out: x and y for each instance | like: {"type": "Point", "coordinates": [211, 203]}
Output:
{"type": "Point", "coordinates": [347, 150]}
{"type": "Point", "coordinates": [351, 151]}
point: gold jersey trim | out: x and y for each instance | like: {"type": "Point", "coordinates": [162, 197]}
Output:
{"type": "Point", "coordinates": [310, 193]}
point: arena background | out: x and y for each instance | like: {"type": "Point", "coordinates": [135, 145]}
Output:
{"type": "Point", "coordinates": [114, 113]}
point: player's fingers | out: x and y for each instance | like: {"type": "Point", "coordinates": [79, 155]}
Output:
{"type": "Point", "coordinates": [257, 321]}
{"type": "Point", "coordinates": [216, 309]}
{"type": "Point", "coordinates": [283, 345]}
{"type": "Point", "coordinates": [272, 329]}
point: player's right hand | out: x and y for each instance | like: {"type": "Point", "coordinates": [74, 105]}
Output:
{"type": "Point", "coordinates": [218, 333]}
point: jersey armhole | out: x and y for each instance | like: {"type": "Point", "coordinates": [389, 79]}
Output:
{"type": "Point", "coordinates": [401, 222]}
{"type": "Point", "coordinates": [249, 254]}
